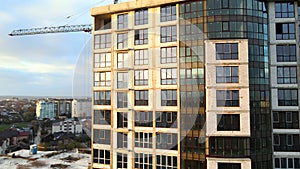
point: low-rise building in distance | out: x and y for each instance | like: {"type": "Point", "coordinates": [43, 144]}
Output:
{"type": "Point", "coordinates": [67, 126]}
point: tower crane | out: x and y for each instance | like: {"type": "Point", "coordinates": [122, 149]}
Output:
{"type": "Point", "coordinates": [58, 29]}
{"type": "Point", "coordinates": [54, 29]}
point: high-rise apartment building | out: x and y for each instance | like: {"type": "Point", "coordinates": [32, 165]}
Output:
{"type": "Point", "coordinates": [181, 85]}
{"type": "Point", "coordinates": [284, 19]}
{"type": "Point", "coordinates": [81, 108]}
{"type": "Point", "coordinates": [45, 109]}
{"type": "Point", "coordinates": [63, 108]}
{"type": "Point", "coordinates": [54, 108]}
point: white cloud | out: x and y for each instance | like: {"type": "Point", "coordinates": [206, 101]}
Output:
{"type": "Point", "coordinates": [37, 67]}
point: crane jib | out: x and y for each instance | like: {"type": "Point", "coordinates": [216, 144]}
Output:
{"type": "Point", "coordinates": [54, 29]}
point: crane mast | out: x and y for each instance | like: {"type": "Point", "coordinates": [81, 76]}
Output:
{"type": "Point", "coordinates": [57, 29]}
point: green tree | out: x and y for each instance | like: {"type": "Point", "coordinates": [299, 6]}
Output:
{"type": "Point", "coordinates": [72, 145]}
{"type": "Point", "coordinates": [29, 116]}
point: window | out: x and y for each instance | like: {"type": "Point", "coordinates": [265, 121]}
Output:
{"type": "Point", "coordinates": [122, 80]}
{"type": "Point", "coordinates": [189, 164]}
{"type": "Point", "coordinates": [141, 98]}
{"type": "Point", "coordinates": [168, 34]}
{"type": "Point", "coordinates": [226, 51]}
{"type": "Point", "coordinates": [288, 117]}
{"type": "Point", "coordinates": [102, 117]}
{"type": "Point", "coordinates": [122, 98]}
{"type": "Point", "coordinates": [166, 119]}
{"type": "Point", "coordinates": [102, 98]}
{"type": "Point", "coordinates": [285, 31]}
{"type": "Point", "coordinates": [168, 13]}
{"type": "Point", "coordinates": [143, 140]}
{"type": "Point", "coordinates": [102, 78]}
{"type": "Point", "coordinates": [228, 122]}
{"type": "Point", "coordinates": [284, 10]}
{"type": "Point", "coordinates": [286, 142]}
{"type": "Point", "coordinates": [276, 140]}
{"type": "Point", "coordinates": [191, 9]}
{"type": "Point", "coordinates": [141, 57]}
{"type": "Point", "coordinates": [101, 136]}
{"type": "Point", "coordinates": [122, 140]}
{"type": "Point", "coordinates": [123, 21]}
{"type": "Point", "coordinates": [228, 98]}
{"type": "Point", "coordinates": [229, 146]}
{"type": "Point", "coordinates": [122, 60]}
{"type": "Point", "coordinates": [192, 76]}
{"type": "Point", "coordinates": [143, 161]}
{"type": "Point", "coordinates": [122, 41]}
{"type": "Point", "coordinates": [143, 119]}
{"type": "Point", "coordinates": [225, 4]}
{"type": "Point", "coordinates": [141, 17]}
{"type": "Point", "coordinates": [102, 22]}
{"type": "Point", "coordinates": [286, 74]}
{"type": "Point", "coordinates": [225, 29]}
{"type": "Point", "coordinates": [168, 76]}
{"type": "Point", "coordinates": [163, 161]}
{"type": "Point", "coordinates": [229, 166]}
{"type": "Point", "coordinates": [287, 163]}
{"type": "Point", "coordinates": [287, 97]}
{"type": "Point", "coordinates": [168, 97]}
{"type": "Point", "coordinates": [141, 77]}
{"type": "Point", "coordinates": [198, 121]}
{"type": "Point", "coordinates": [141, 37]}
{"type": "Point", "coordinates": [122, 160]}
{"type": "Point", "coordinates": [289, 140]}
{"type": "Point", "coordinates": [102, 60]}
{"type": "Point", "coordinates": [102, 41]}
{"type": "Point", "coordinates": [122, 119]}
{"type": "Point", "coordinates": [225, 26]}
{"type": "Point", "coordinates": [286, 53]}
{"type": "Point", "coordinates": [275, 117]}
{"type": "Point", "coordinates": [101, 156]}
{"type": "Point", "coordinates": [191, 31]}
{"type": "Point", "coordinates": [194, 144]}
{"type": "Point", "coordinates": [227, 74]}
{"type": "Point", "coordinates": [168, 55]}
{"type": "Point", "coordinates": [191, 54]}
{"type": "Point", "coordinates": [166, 141]}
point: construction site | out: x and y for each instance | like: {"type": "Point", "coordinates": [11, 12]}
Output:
{"type": "Point", "coordinates": [184, 84]}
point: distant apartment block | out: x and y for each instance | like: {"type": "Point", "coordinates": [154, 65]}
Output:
{"type": "Point", "coordinates": [45, 109]}
{"type": "Point", "coordinates": [82, 108]}
{"type": "Point", "coordinates": [67, 126]}
{"type": "Point", "coordinates": [63, 108]}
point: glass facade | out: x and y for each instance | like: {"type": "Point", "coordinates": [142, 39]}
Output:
{"type": "Point", "coordinates": [215, 20]}
{"type": "Point", "coordinates": [192, 92]}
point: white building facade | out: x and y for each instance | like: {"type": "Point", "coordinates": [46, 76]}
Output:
{"type": "Point", "coordinates": [67, 126]}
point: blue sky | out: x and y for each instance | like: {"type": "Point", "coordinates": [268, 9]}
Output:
{"type": "Point", "coordinates": [49, 64]}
